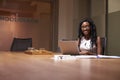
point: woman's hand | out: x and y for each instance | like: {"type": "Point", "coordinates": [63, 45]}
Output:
{"type": "Point", "coordinates": [85, 52]}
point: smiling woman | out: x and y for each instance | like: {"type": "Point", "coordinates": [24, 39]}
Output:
{"type": "Point", "coordinates": [85, 28]}
{"type": "Point", "coordinates": [88, 41]}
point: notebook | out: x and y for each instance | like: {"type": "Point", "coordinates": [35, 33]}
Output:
{"type": "Point", "coordinates": [69, 47]}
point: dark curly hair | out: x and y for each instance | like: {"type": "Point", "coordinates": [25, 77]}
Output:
{"type": "Point", "coordinates": [93, 32]}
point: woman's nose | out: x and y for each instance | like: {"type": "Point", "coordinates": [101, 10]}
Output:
{"type": "Point", "coordinates": [85, 28]}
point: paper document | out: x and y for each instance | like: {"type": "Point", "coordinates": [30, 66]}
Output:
{"type": "Point", "coordinates": [105, 56]}
{"type": "Point", "coordinates": [71, 57]}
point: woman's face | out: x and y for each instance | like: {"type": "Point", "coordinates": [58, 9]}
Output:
{"type": "Point", "coordinates": [85, 27]}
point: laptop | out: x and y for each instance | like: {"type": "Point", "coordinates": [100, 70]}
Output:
{"type": "Point", "coordinates": [69, 47]}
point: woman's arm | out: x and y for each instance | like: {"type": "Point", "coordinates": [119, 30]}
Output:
{"type": "Point", "coordinates": [99, 46]}
{"type": "Point", "coordinates": [85, 52]}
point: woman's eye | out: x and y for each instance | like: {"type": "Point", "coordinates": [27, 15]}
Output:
{"type": "Point", "coordinates": [85, 26]}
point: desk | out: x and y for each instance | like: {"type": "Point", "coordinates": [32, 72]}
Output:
{"type": "Point", "coordinates": [20, 66]}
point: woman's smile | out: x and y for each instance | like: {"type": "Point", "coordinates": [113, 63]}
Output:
{"type": "Point", "coordinates": [86, 28]}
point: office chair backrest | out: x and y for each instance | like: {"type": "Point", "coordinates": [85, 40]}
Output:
{"type": "Point", "coordinates": [21, 44]}
{"type": "Point", "coordinates": [103, 43]}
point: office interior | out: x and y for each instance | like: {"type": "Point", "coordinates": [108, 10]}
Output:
{"type": "Point", "coordinates": [48, 21]}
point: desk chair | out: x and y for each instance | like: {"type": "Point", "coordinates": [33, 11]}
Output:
{"type": "Point", "coordinates": [103, 43]}
{"type": "Point", "coordinates": [21, 44]}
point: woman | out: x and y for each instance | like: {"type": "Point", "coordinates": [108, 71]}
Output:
{"type": "Point", "coordinates": [88, 41]}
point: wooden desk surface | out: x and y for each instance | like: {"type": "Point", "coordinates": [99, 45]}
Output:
{"type": "Point", "coordinates": [20, 66]}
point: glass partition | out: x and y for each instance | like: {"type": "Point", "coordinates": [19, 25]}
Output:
{"type": "Point", "coordinates": [28, 19]}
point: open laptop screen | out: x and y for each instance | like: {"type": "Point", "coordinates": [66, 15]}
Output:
{"type": "Point", "coordinates": [69, 47]}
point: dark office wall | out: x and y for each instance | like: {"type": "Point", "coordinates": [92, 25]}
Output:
{"type": "Point", "coordinates": [113, 27]}
{"type": "Point", "coordinates": [113, 33]}
{"type": "Point", "coordinates": [98, 14]}
{"type": "Point", "coordinates": [70, 14]}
